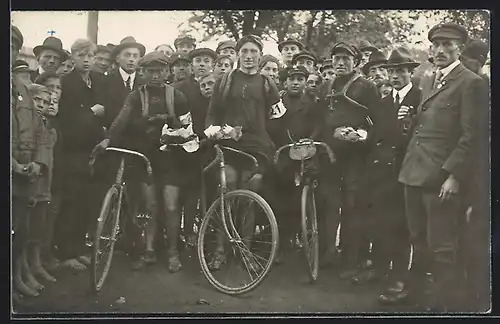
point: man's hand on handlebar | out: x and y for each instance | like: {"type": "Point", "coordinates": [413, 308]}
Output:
{"type": "Point", "coordinates": [100, 148]}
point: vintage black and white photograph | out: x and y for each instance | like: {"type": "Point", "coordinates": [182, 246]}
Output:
{"type": "Point", "coordinates": [250, 161]}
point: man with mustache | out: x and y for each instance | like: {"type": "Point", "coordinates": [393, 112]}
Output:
{"type": "Point", "coordinates": [373, 69]}
{"type": "Point", "coordinates": [49, 55]}
{"type": "Point", "coordinates": [347, 103]}
{"type": "Point", "coordinates": [437, 168]}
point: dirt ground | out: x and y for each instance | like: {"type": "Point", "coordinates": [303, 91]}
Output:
{"type": "Point", "coordinates": [154, 290]}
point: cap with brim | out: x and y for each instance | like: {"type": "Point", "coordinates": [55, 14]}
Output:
{"type": "Point", "coordinates": [304, 55]}
{"type": "Point", "coordinates": [51, 43]}
{"type": "Point", "coordinates": [154, 59]}
{"type": "Point", "coordinates": [448, 31]}
{"type": "Point", "coordinates": [128, 42]}
{"type": "Point", "coordinates": [268, 58]}
{"type": "Point", "coordinates": [299, 70]}
{"type": "Point", "coordinates": [327, 64]}
{"type": "Point", "coordinates": [103, 49]}
{"type": "Point", "coordinates": [17, 36]}
{"type": "Point", "coordinates": [401, 57]}
{"type": "Point", "coordinates": [376, 58]}
{"type": "Point", "coordinates": [222, 57]}
{"type": "Point", "coordinates": [21, 66]}
{"type": "Point", "coordinates": [249, 39]}
{"type": "Point", "coordinates": [202, 51]}
{"type": "Point", "coordinates": [226, 44]}
{"type": "Point", "coordinates": [347, 48]}
{"type": "Point", "coordinates": [289, 42]}
{"type": "Point", "coordinates": [178, 56]}
{"type": "Point", "coordinates": [184, 39]}
{"type": "Point", "coordinates": [367, 46]}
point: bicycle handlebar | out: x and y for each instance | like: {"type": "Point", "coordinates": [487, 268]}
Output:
{"type": "Point", "coordinates": [149, 169]}
{"type": "Point", "coordinates": [329, 151]}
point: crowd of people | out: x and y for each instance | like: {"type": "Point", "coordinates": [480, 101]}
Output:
{"type": "Point", "coordinates": [411, 155]}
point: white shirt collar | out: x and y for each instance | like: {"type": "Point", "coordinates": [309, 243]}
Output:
{"type": "Point", "coordinates": [125, 76]}
{"type": "Point", "coordinates": [449, 68]}
{"type": "Point", "coordinates": [402, 93]}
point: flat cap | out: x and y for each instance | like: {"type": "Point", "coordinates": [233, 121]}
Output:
{"type": "Point", "coordinates": [222, 57]}
{"type": "Point", "coordinates": [296, 70]}
{"type": "Point", "coordinates": [184, 39]}
{"type": "Point", "coordinates": [202, 51]}
{"type": "Point", "coordinates": [268, 58]}
{"type": "Point", "coordinates": [448, 31]}
{"type": "Point", "coordinates": [21, 66]}
{"type": "Point", "coordinates": [289, 42]}
{"type": "Point", "coordinates": [17, 36]}
{"type": "Point", "coordinates": [304, 54]}
{"type": "Point", "coordinates": [154, 58]}
{"type": "Point", "coordinates": [226, 44]}
{"type": "Point", "coordinates": [327, 64]}
{"type": "Point", "coordinates": [103, 49]}
{"type": "Point", "coordinates": [178, 56]}
{"type": "Point", "coordinates": [249, 38]}
{"type": "Point", "coordinates": [476, 49]}
{"type": "Point", "coordinates": [347, 48]}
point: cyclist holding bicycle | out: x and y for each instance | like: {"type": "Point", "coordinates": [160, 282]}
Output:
{"type": "Point", "coordinates": [299, 122]}
{"type": "Point", "coordinates": [144, 114]}
{"type": "Point", "coordinates": [244, 98]}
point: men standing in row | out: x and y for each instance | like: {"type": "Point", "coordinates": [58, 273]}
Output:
{"type": "Point", "coordinates": [436, 170]}
{"type": "Point", "coordinates": [49, 55]}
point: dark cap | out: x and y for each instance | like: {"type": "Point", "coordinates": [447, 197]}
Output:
{"type": "Point", "coordinates": [297, 70]}
{"type": "Point", "coordinates": [154, 58]}
{"type": "Point", "coordinates": [202, 51]}
{"type": "Point", "coordinates": [476, 49]}
{"type": "Point", "coordinates": [401, 56]}
{"type": "Point", "coordinates": [326, 64]}
{"type": "Point", "coordinates": [249, 38]}
{"type": "Point", "coordinates": [103, 49]}
{"type": "Point", "coordinates": [289, 42]}
{"type": "Point", "coordinates": [448, 31]}
{"type": "Point", "coordinates": [221, 57]}
{"type": "Point", "coordinates": [365, 45]}
{"type": "Point", "coordinates": [347, 48]}
{"type": "Point", "coordinates": [184, 39]}
{"type": "Point", "coordinates": [304, 54]}
{"type": "Point", "coordinates": [268, 58]}
{"type": "Point", "coordinates": [17, 36]}
{"type": "Point", "coordinates": [376, 57]}
{"type": "Point", "coordinates": [226, 44]}
{"type": "Point", "coordinates": [21, 66]}
{"type": "Point", "coordinates": [178, 56]}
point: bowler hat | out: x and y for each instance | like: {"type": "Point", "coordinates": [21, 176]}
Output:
{"type": "Point", "coordinates": [365, 45]}
{"type": "Point", "coordinates": [401, 56]}
{"type": "Point", "coordinates": [304, 54]}
{"type": "Point", "coordinates": [349, 48]}
{"type": "Point", "coordinates": [477, 50]}
{"type": "Point", "coordinates": [17, 36]}
{"type": "Point", "coordinates": [376, 58]}
{"type": "Point", "coordinates": [128, 42]}
{"type": "Point", "coordinates": [289, 42]}
{"type": "Point", "coordinates": [202, 51]}
{"type": "Point", "coordinates": [184, 39]}
{"type": "Point", "coordinates": [178, 56]}
{"type": "Point", "coordinates": [226, 44]}
{"type": "Point", "coordinates": [448, 31]}
{"type": "Point", "coordinates": [249, 38]}
{"type": "Point", "coordinates": [154, 58]}
{"type": "Point", "coordinates": [296, 70]}
{"type": "Point", "coordinates": [326, 64]}
{"type": "Point", "coordinates": [51, 43]}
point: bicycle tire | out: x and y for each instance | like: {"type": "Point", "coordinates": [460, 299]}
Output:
{"type": "Point", "coordinates": [112, 196]}
{"type": "Point", "coordinates": [203, 230]}
{"type": "Point", "coordinates": [309, 219]}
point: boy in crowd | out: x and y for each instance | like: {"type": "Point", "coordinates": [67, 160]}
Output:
{"type": "Point", "coordinates": [66, 66]}
{"type": "Point", "coordinates": [327, 71]}
{"type": "Point", "coordinates": [102, 60]}
{"type": "Point", "coordinates": [185, 44]}
{"type": "Point", "coordinates": [269, 66]}
{"type": "Point", "coordinates": [305, 59]}
{"type": "Point", "coordinates": [313, 83]}
{"type": "Point", "coordinates": [180, 67]}
{"type": "Point", "coordinates": [223, 64]}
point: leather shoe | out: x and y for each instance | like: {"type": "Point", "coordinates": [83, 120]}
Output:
{"type": "Point", "coordinates": [366, 276]}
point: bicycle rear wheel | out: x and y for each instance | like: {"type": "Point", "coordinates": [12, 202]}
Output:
{"type": "Point", "coordinates": [248, 250]}
{"type": "Point", "coordinates": [105, 238]}
{"type": "Point", "coordinates": [310, 232]}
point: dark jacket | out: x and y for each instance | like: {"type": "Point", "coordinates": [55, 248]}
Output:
{"type": "Point", "coordinates": [81, 129]}
{"type": "Point", "coordinates": [198, 105]}
{"type": "Point", "coordinates": [445, 130]}
{"type": "Point", "coordinates": [117, 93]}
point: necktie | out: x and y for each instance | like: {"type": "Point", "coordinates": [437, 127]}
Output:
{"type": "Point", "coordinates": [396, 101]}
{"type": "Point", "coordinates": [127, 84]}
{"type": "Point", "coordinates": [439, 76]}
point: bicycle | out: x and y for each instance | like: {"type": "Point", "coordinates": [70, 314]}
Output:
{"type": "Point", "coordinates": [303, 150]}
{"type": "Point", "coordinates": [249, 250]}
{"type": "Point", "coordinates": [115, 208]}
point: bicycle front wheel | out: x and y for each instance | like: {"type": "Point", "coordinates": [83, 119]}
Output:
{"type": "Point", "coordinates": [105, 238]}
{"type": "Point", "coordinates": [310, 232]}
{"type": "Point", "coordinates": [237, 260]}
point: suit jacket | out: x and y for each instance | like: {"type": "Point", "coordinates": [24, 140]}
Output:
{"type": "Point", "coordinates": [117, 93]}
{"type": "Point", "coordinates": [445, 130]}
{"type": "Point", "coordinates": [34, 75]}
{"type": "Point", "coordinates": [198, 105]}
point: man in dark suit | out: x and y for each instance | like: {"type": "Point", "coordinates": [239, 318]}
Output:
{"type": "Point", "coordinates": [49, 55]}
{"type": "Point", "coordinates": [436, 170]}
{"type": "Point", "coordinates": [384, 199]}
{"type": "Point", "coordinates": [122, 81]}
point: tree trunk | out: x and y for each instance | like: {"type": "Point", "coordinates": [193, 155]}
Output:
{"type": "Point", "coordinates": [265, 19]}
{"type": "Point", "coordinates": [309, 29]}
{"type": "Point", "coordinates": [92, 26]}
{"type": "Point", "coordinates": [282, 32]}
{"type": "Point", "coordinates": [228, 19]}
{"type": "Point", "coordinates": [248, 22]}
